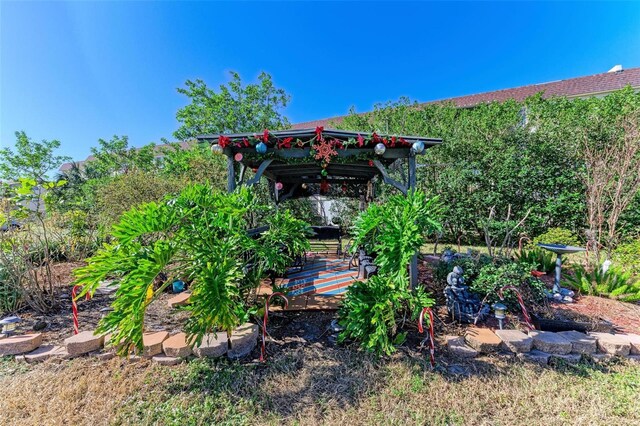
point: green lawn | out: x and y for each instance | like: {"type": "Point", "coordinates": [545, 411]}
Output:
{"type": "Point", "coordinates": [306, 384]}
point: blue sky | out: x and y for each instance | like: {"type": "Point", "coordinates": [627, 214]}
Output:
{"type": "Point", "coordinates": [80, 71]}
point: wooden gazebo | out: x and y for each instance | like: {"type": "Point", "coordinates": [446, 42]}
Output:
{"type": "Point", "coordinates": [303, 163]}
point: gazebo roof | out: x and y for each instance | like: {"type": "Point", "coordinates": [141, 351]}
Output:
{"type": "Point", "coordinates": [291, 159]}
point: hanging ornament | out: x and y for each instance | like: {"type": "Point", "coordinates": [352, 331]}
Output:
{"type": "Point", "coordinates": [216, 149]}
{"type": "Point", "coordinates": [279, 186]}
{"type": "Point", "coordinates": [304, 186]}
{"type": "Point", "coordinates": [324, 150]}
{"type": "Point", "coordinates": [417, 147]}
{"type": "Point", "coordinates": [261, 148]}
{"type": "Point", "coordinates": [324, 165]}
{"type": "Point", "coordinates": [379, 148]}
{"type": "Point", "coordinates": [238, 157]}
{"type": "Point", "coordinates": [324, 172]}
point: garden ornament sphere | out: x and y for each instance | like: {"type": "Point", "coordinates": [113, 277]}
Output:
{"type": "Point", "coordinates": [216, 149]}
{"type": "Point", "coordinates": [261, 148]}
{"type": "Point", "coordinates": [379, 149]}
{"type": "Point", "coordinates": [279, 186]}
{"type": "Point", "coordinates": [417, 147]}
{"type": "Point", "coordinates": [238, 157]}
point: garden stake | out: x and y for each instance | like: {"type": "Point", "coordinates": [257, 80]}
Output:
{"type": "Point", "coordinates": [74, 307]}
{"type": "Point", "coordinates": [263, 352]}
{"type": "Point", "coordinates": [527, 319]}
{"type": "Point", "coordinates": [432, 346]}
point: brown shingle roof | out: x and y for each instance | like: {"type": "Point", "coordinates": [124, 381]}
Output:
{"type": "Point", "coordinates": [574, 87]}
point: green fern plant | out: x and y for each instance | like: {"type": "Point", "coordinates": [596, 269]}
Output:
{"type": "Point", "coordinates": [541, 260]}
{"type": "Point", "coordinates": [393, 232]}
{"type": "Point", "coordinates": [614, 284]}
{"type": "Point", "coordinates": [200, 236]}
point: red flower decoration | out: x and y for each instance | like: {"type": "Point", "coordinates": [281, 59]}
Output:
{"type": "Point", "coordinates": [286, 143]}
{"type": "Point", "coordinates": [371, 163]}
{"type": "Point", "coordinates": [403, 142]}
{"type": "Point", "coordinates": [375, 137]}
{"type": "Point", "coordinates": [360, 141]}
{"type": "Point", "coordinates": [265, 136]}
{"type": "Point", "coordinates": [224, 141]}
{"type": "Point", "coordinates": [319, 130]}
{"type": "Point", "coordinates": [324, 187]}
{"type": "Point", "coordinates": [393, 141]}
{"type": "Point", "coordinates": [246, 142]}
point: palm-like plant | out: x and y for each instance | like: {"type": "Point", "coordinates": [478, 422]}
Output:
{"type": "Point", "coordinates": [613, 283]}
{"type": "Point", "coordinates": [199, 236]}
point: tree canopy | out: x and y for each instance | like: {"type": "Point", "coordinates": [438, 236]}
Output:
{"type": "Point", "coordinates": [234, 108]}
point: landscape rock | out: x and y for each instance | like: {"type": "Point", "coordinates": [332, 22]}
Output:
{"type": "Point", "coordinates": [515, 340]}
{"type": "Point", "coordinates": [535, 356]}
{"type": "Point", "coordinates": [45, 352]}
{"type": "Point", "coordinates": [176, 346]}
{"type": "Point", "coordinates": [634, 340]}
{"type": "Point", "coordinates": [634, 358]}
{"type": "Point", "coordinates": [549, 342]}
{"type": "Point", "coordinates": [152, 343]}
{"type": "Point", "coordinates": [104, 356]}
{"type": "Point", "coordinates": [483, 340]}
{"type": "Point", "coordinates": [601, 357]}
{"type": "Point", "coordinates": [580, 343]}
{"type": "Point", "coordinates": [212, 346]}
{"type": "Point", "coordinates": [459, 348]}
{"type": "Point", "coordinates": [83, 342]}
{"type": "Point", "coordinates": [612, 344]}
{"type": "Point", "coordinates": [243, 340]}
{"type": "Point", "coordinates": [179, 300]}
{"type": "Point", "coordinates": [568, 358]}
{"type": "Point", "coordinates": [166, 360]}
{"type": "Point", "coordinates": [16, 345]}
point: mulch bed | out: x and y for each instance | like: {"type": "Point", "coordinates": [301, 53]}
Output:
{"type": "Point", "coordinates": [305, 326]}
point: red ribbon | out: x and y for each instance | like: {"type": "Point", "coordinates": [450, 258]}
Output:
{"type": "Point", "coordinates": [525, 314]}
{"type": "Point", "coordinates": [263, 351]}
{"type": "Point", "coordinates": [285, 143]}
{"type": "Point", "coordinates": [319, 130]}
{"type": "Point", "coordinates": [360, 141]}
{"type": "Point", "coordinates": [224, 141]}
{"type": "Point", "coordinates": [432, 346]}
{"type": "Point", "coordinates": [265, 136]}
{"type": "Point", "coordinates": [74, 307]}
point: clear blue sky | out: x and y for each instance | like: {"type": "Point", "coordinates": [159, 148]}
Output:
{"type": "Point", "coordinates": [81, 71]}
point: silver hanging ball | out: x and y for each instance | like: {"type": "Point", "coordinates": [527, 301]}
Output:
{"type": "Point", "coordinates": [380, 149]}
{"type": "Point", "coordinates": [417, 147]}
{"type": "Point", "coordinates": [216, 149]}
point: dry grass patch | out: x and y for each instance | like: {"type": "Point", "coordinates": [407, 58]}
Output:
{"type": "Point", "coordinates": [317, 385]}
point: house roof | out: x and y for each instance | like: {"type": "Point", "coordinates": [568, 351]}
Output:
{"type": "Point", "coordinates": [158, 149]}
{"type": "Point", "coordinates": [591, 85]}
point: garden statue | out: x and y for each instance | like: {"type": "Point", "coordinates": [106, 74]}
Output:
{"type": "Point", "coordinates": [447, 256]}
{"type": "Point", "coordinates": [463, 305]}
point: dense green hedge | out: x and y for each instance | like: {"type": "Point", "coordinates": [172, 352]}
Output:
{"type": "Point", "coordinates": [520, 154]}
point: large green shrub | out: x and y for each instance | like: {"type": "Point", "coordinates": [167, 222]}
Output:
{"type": "Point", "coordinates": [557, 236]}
{"type": "Point", "coordinates": [393, 232]}
{"type": "Point", "coordinates": [123, 192]}
{"type": "Point", "coordinates": [626, 258]}
{"type": "Point", "coordinates": [494, 277]}
{"type": "Point", "coordinates": [199, 236]}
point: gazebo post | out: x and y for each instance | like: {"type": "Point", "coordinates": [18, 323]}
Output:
{"type": "Point", "coordinates": [231, 173]}
{"type": "Point", "coordinates": [411, 186]}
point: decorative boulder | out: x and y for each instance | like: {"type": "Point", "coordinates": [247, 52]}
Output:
{"type": "Point", "coordinates": [243, 340]}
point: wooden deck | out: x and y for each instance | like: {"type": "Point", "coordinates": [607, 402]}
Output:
{"type": "Point", "coordinates": [319, 285]}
